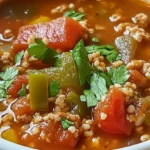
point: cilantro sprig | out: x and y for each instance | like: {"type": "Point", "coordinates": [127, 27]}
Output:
{"type": "Point", "coordinates": [54, 88]}
{"type": "Point", "coordinates": [101, 81]}
{"type": "Point", "coordinates": [40, 51]}
{"type": "Point", "coordinates": [9, 74]}
{"type": "Point", "coordinates": [97, 89]}
{"type": "Point", "coordinates": [22, 92]}
{"type": "Point", "coordinates": [80, 57]}
{"type": "Point", "coordinates": [66, 123]}
{"type": "Point", "coordinates": [106, 50]}
{"type": "Point", "coordinates": [95, 40]}
{"type": "Point", "coordinates": [119, 75]}
{"type": "Point", "coordinates": [18, 58]}
{"type": "Point", "coordinates": [74, 15]}
{"type": "Point", "coordinates": [7, 78]}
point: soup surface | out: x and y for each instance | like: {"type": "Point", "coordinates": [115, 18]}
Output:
{"type": "Point", "coordinates": [75, 74]}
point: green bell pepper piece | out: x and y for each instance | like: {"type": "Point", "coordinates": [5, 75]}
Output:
{"type": "Point", "coordinates": [80, 108]}
{"type": "Point", "coordinates": [66, 75]}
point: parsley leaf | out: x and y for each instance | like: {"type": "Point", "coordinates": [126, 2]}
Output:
{"type": "Point", "coordinates": [50, 56]}
{"type": "Point", "coordinates": [18, 58]}
{"type": "Point", "coordinates": [66, 123]}
{"type": "Point", "coordinates": [106, 50]}
{"type": "Point", "coordinates": [9, 74]}
{"type": "Point", "coordinates": [98, 86]}
{"type": "Point", "coordinates": [119, 75]}
{"type": "Point", "coordinates": [74, 15]}
{"type": "Point", "coordinates": [103, 75]}
{"type": "Point", "coordinates": [40, 51]}
{"type": "Point", "coordinates": [22, 92]}
{"type": "Point", "coordinates": [80, 57]}
{"type": "Point", "coordinates": [97, 90]}
{"type": "Point", "coordinates": [89, 97]}
{"type": "Point", "coordinates": [37, 49]}
{"type": "Point", "coordinates": [7, 77]}
{"type": "Point", "coordinates": [94, 39]}
{"type": "Point", "coordinates": [3, 94]}
{"type": "Point", "coordinates": [54, 88]}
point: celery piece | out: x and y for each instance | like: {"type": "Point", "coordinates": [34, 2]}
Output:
{"type": "Point", "coordinates": [38, 88]}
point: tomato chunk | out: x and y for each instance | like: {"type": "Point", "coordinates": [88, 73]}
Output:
{"type": "Point", "coordinates": [57, 135]}
{"type": "Point", "coordinates": [138, 78]}
{"type": "Point", "coordinates": [114, 108]}
{"type": "Point", "coordinates": [22, 107]}
{"type": "Point", "coordinates": [17, 85]}
{"type": "Point", "coordinates": [63, 33]}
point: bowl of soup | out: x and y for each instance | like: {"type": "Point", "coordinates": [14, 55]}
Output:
{"type": "Point", "coordinates": [75, 74]}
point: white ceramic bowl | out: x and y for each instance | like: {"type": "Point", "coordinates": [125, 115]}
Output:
{"type": "Point", "coordinates": [6, 145]}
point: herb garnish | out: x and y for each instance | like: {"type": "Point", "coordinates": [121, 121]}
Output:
{"type": "Point", "coordinates": [66, 123]}
{"type": "Point", "coordinates": [7, 77]}
{"type": "Point", "coordinates": [22, 92]}
{"type": "Point", "coordinates": [54, 88]}
{"type": "Point", "coordinates": [119, 75]}
{"type": "Point", "coordinates": [97, 90]}
{"type": "Point", "coordinates": [40, 51]}
{"type": "Point", "coordinates": [80, 57]}
{"type": "Point", "coordinates": [74, 15]}
{"type": "Point", "coordinates": [106, 50]}
{"type": "Point", "coordinates": [9, 74]}
{"type": "Point", "coordinates": [18, 58]}
{"type": "Point", "coordinates": [94, 39]}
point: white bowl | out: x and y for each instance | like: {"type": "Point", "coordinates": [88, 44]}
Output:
{"type": "Point", "coordinates": [6, 145]}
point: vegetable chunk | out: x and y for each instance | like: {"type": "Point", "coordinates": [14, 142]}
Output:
{"type": "Point", "coordinates": [16, 85]}
{"type": "Point", "coordinates": [115, 116]}
{"type": "Point", "coordinates": [63, 33]}
{"type": "Point", "coordinates": [38, 87]}
{"type": "Point", "coordinates": [22, 107]}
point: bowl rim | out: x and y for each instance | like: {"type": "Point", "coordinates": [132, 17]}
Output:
{"type": "Point", "coordinates": [7, 144]}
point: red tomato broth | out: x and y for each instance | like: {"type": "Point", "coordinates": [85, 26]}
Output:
{"type": "Point", "coordinates": [94, 16]}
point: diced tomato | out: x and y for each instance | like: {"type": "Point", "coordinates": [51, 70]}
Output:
{"type": "Point", "coordinates": [63, 33]}
{"type": "Point", "coordinates": [114, 108]}
{"type": "Point", "coordinates": [22, 107]}
{"type": "Point", "coordinates": [138, 78]}
{"type": "Point", "coordinates": [38, 64]}
{"type": "Point", "coordinates": [57, 135]}
{"type": "Point", "coordinates": [16, 85]}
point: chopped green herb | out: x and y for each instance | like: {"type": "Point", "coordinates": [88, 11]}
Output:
{"type": "Point", "coordinates": [119, 75]}
{"type": "Point", "coordinates": [103, 75]}
{"type": "Point", "coordinates": [58, 62]}
{"type": "Point", "coordinates": [107, 79]}
{"type": "Point", "coordinates": [18, 58]}
{"type": "Point", "coordinates": [22, 92]}
{"type": "Point", "coordinates": [3, 87]}
{"type": "Point", "coordinates": [54, 88]}
{"type": "Point", "coordinates": [94, 39]}
{"type": "Point", "coordinates": [82, 62]}
{"type": "Point", "coordinates": [37, 49]}
{"type": "Point", "coordinates": [40, 51]}
{"type": "Point", "coordinates": [5, 84]}
{"type": "Point", "coordinates": [9, 74]}
{"type": "Point", "coordinates": [106, 50]}
{"type": "Point", "coordinates": [98, 86]}
{"type": "Point", "coordinates": [66, 123]}
{"type": "Point", "coordinates": [89, 97]}
{"type": "Point", "coordinates": [7, 77]}
{"type": "Point", "coordinates": [97, 90]}
{"type": "Point", "coordinates": [74, 15]}
{"type": "Point", "coordinates": [3, 94]}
